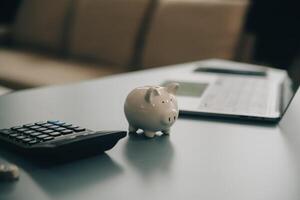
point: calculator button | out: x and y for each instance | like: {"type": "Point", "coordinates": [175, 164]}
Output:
{"type": "Point", "coordinates": [13, 135]}
{"type": "Point", "coordinates": [53, 127]}
{"type": "Point", "coordinates": [59, 123]}
{"type": "Point", "coordinates": [72, 127]}
{"type": "Point", "coordinates": [48, 138]}
{"type": "Point", "coordinates": [27, 139]}
{"type": "Point", "coordinates": [67, 125]}
{"type": "Point", "coordinates": [28, 125]}
{"type": "Point", "coordinates": [28, 132]}
{"type": "Point", "coordinates": [60, 129]}
{"type": "Point", "coordinates": [22, 130]}
{"type": "Point", "coordinates": [66, 132]}
{"type": "Point", "coordinates": [46, 125]}
{"type": "Point", "coordinates": [16, 127]}
{"type": "Point", "coordinates": [48, 131]}
{"type": "Point", "coordinates": [34, 134]}
{"type": "Point", "coordinates": [35, 127]}
{"type": "Point", "coordinates": [32, 142]}
{"type": "Point", "coordinates": [41, 129]}
{"type": "Point", "coordinates": [79, 129]}
{"type": "Point", "coordinates": [20, 137]}
{"type": "Point", "coordinates": [6, 132]}
{"type": "Point", "coordinates": [42, 136]}
{"type": "Point", "coordinates": [40, 123]}
{"type": "Point", "coordinates": [55, 134]}
{"type": "Point", "coordinates": [52, 121]}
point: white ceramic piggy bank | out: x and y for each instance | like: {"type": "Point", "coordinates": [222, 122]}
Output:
{"type": "Point", "coordinates": [152, 108]}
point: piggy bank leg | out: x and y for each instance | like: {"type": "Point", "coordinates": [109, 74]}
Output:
{"type": "Point", "coordinates": [166, 132]}
{"type": "Point", "coordinates": [132, 129]}
{"type": "Point", "coordinates": [149, 134]}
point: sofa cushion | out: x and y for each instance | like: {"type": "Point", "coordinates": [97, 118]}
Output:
{"type": "Point", "coordinates": [188, 30]}
{"type": "Point", "coordinates": [106, 30]}
{"type": "Point", "coordinates": [28, 69]}
{"type": "Point", "coordinates": [41, 23]}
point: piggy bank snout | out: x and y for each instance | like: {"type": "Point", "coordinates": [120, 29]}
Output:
{"type": "Point", "coordinates": [170, 117]}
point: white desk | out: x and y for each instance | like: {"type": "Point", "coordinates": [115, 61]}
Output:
{"type": "Point", "coordinates": [202, 159]}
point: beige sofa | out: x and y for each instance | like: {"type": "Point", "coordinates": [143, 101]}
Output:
{"type": "Point", "coordinates": [61, 41]}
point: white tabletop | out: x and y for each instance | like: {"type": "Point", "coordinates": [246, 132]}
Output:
{"type": "Point", "coordinates": [201, 159]}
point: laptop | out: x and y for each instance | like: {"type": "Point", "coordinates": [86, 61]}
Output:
{"type": "Point", "coordinates": [219, 88]}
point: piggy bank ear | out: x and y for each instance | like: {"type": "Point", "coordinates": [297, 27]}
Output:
{"type": "Point", "coordinates": [172, 88]}
{"type": "Point", "coordinates": [151, 93]}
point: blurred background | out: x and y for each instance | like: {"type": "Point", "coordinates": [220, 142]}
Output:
{"type": "Point", "coordinates": [49, 42]}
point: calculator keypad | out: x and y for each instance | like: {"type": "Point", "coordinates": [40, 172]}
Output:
{"type": "Point", "coordinates": [38, 132]}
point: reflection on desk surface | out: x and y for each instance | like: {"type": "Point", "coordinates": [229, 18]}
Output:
{"type": "Point", "coordinates": [64, 178]}
{"type": "Point", "coordinates": [149, 156]}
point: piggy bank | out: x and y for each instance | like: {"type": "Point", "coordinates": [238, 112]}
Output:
{"type": "Point", "coordinates": [152, 109]}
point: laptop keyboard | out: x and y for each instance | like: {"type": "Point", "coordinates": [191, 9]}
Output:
{"type": "Point", "coordinates": [237, 96]}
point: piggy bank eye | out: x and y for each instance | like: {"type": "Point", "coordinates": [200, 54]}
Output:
{"type": "Point", "coordinates": [171, 99]}
{"type": "Point", "coordinates": [163, 101]}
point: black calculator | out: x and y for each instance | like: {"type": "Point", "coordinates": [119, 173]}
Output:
{"type": "Point", "coordinates": [55, 138]}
